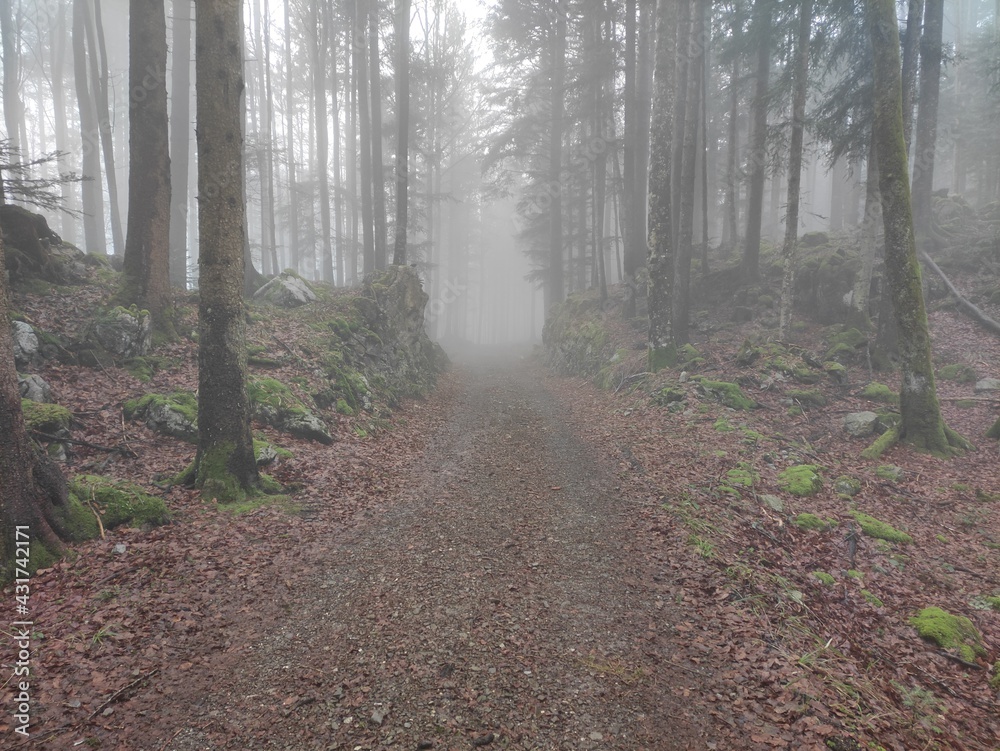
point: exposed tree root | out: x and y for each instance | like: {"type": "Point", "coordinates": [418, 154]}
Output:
{"type": "Point", "coordinates": [964, 305]}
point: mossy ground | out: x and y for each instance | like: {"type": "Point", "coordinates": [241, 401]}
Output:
{"type": "Point", "coordinates": [45, 418]}
{"type": "Point", "coordinates": [120, 502]}
{"type": "Point", "coordinates": [801, 480]}
{"type": "Point", "coordinates": [878, 529]}
{"type": "Point", "coordinates": [949, 631]}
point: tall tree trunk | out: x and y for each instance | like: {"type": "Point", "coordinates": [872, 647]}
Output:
{"type": "Point", "coordinates": [378, 166]}
{"type": "Point", "coordinates": [686, 181]}
{"type": "Point", "coordinates": [100, 75]}
{"type": "Point", "coordinates": [180, 140]}
{"type": "Point", "coordinates": [269, 210]}
{"type": "Point", "coordinates": [224, 467]}
{"type": "Point", "coordinates": [402, 127]}
{"type": "Point", "coordinates": [146, 277]}
{"type": "Point", "coordinates": [634, 235]}
{"type": "Point", "coordinates": [12, 114]}
{"type": "Point", "coordinates": [322, 136]}
{"type": "Point", "coordinates": [33, 496]}
{"type": "Point", "coordinates": [57, 47]}
{"type": "Point", "coordinates": [911, 41]}
{"type": "Point", "coordinates": [294, 246]}
{"type": "Point", "coordinates": [92, 196]}
{"type": "Point", "coordinates": [758, 148]}
{"type": "Point", "coordinates": [921, 423]}
{"type": "Point", "coordinates": [365, 124]}
{"type": "Point", "coordinates": [801, 84]}
{"type": "Point", "coordinates": [557, 42]}
{"type": "Point", "coordinates": [869, 237]}
{"type": "Point", "coordinates": [731, 226]}
{"type": "Point", "coordinates": [351, 77]}
{"type": "Point", "coordinates": [662, 350]}
{"type": "Point", "coordinates": [927, 118]}
{"type": "Point", "coordinates": [685, 45]}
{"type": "Point", "coordinates": [338, 198]}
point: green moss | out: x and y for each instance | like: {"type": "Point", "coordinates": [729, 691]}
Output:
{"type": "Point", "coordinates": [45, 418]}
{"type": "Point", "coordinates": [872, 599]}
{"type": "Point", "coordinates": [811, 521]}
{"type": "Point", "coordinates": [184, 403]}
{"type": "Point", "coordinates": [995, 678]}
{"type": "Point", "coordinates": [800, 480]}
{"type": "Point", "coordinates": [847, 485]}
{"type": "Point", "coordinates": [872, 527]}
{"type": "Point", "coordinates": [879, 392]}
{"type": "Point", "coordinates": [139, 368]}
{"type": "Point", "coordinates": [807, 397]}
{"type": "Point", "coordinates": [215, 479]}
{"type": "Point", "coordinates": [120, 502]}
{"type": "Point", "coordinates": [271, 392]}
{"type": "Point", "coordinates": [889, 472]}
{"type": "Point", "coordinates": [727, 393]}
{"type": "Point", "coordinates": [949, 631]}
{"type": "Point", "coordinates": [261, 444]}
{"type": "Point", "coordinates": [668, 395]}
{"type": "Point", "coordinates": [78, 518]}
{"type": "Point", "coordinates": [824, 578]}
{"type": "Point", "coordinates": [742, 475]}
{"type": "Point", "coordinates": [270, 486]}
{"type": "Point", "coordinates": [882, 444]}
{"type": "Point", "coordinates": [722, 425]}
{"type": "Point", "coordinates": [957, 372]}
{"type": "Point", "coordinates": [966, 404]}
{"type": "Point", "coordinates": [794, 411]}
{"type": "Point", "coordinates": [658, 358]}
{"type": "Point", "coordinates": [344, 408]}
{"type": "Point", "coordinates": [855, 574]}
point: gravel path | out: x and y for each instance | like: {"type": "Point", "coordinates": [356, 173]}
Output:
{"type": "Point", "coordinates": [499, 602]}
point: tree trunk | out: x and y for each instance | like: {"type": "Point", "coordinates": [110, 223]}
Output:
{"type": "Point", "coordinates": [146, 270]}
{"type": "Point", "coordinates": [402, 127]}
{"type": "Point", "coordinates": [927, 118]}
{"type": "Point", "coordinates": [686, 181]}
{"type": "Point", "coordinates": [180, 140]}
{"type": "Point", "coordinates": [365, 125]}
{"type": "Point", "coordinates": [801, 84]}
{"type": "Point", "coordinates": [338, 198]}
{"type": "Point", "coordinates": [662, 350]}
{"type": "Point", "coordinates": [351, 78]}
{"type": "Point", "coordinates": [57, 47]}
{"type": "Point", "coordinates": [92, 195]}
{"type": "Point", "coordinates": [731, 226]}
{"type": "Point", "coordinates": [911, 40]}
{"type": "Point", "coordinates": [869, 237]}
{"type": "Point", "coordinates": [99, 74]}
{"type": "Point", "coordinates": [378, 167]}
{"type": "Point", "coordinates": [758, 148]}
{"type": "Point", "coordinates": [557, 41]}
{"type": "Point", "coordinates": [294, 250]}
{"type": "Point", "coordinates": [12, 114]}
{"type": "Point", "coordinates": [322, 138]}
{"type": "Point", "coordinates": [921, 424]}
{"type": "Point", "coordinates": [634, 235]}
{"type": "Point", "coordinates": [224, 467]}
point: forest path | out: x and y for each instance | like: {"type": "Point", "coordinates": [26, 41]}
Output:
{"type": "Point", "coordinates": [497, 601]}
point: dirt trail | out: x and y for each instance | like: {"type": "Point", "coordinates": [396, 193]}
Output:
{"type": "Point", "coordinates": [498, 602]}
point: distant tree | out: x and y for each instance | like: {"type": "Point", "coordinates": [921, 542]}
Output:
{"type": "Point", "coordinates": [378, 167]}
{"type": "Point", "coordinates": [762, 14]}
{"type": "Point", "coordinates": [662, 347]}
{"type": "Point", "coordinates": [360, 61]}
{"type": "Point", "coordinates": [402, 127]}
{"type": "Point", "coordinates": [180, 140]}
{"type": "Point", "coordinates": [91, 194]}
{"type": "Point", "coordinates": [925, 143]}
{"type": "Point", "coordinates": [921, 423]}
{"type": "Point", "coordinates": [12, 108]}
{"type": "Point", "coordinates": [19, 183]}
{"type": "Point", "coordinates": [146, 269]}
{"type": "Point", "coordinates": [33, 493]}
{"type": "Point", "coordinates": [224, 466]}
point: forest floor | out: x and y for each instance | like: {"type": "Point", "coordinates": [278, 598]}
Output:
{"type": "Point", "coordinates": [523, 561]}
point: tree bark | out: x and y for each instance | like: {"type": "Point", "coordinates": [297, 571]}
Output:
{"type": "Point", "coordinates": [320, 53]}
{"type": "Point", "coordinates": [925, 143]}
{"type": "Point", "coordinates": [402, 128]}
{"type": "Point", "coordinates": [146, 270]}
{"type": "Point", "coordinates": [921, 423]}
{"type": "Point", "coordinates": [100, 75]}
{"type": "Point", "coordinates": [224, 467]}
{"type": "Point", "coordinates": [294, 250]}
{"type": "Point", "coordinates": [365, 125]}
{"type": "Point", "coordinates": [180, 140]}
{"type": "Point", "coordinates": [634, 235]}
{"type": "Point", "coordinates": [378, 167]}
{"type": "Point", "coordinates": [662, 350]}
{"type": "Point", "coordinates": [556, 285]}
{"type": "Point", "coordinates": [33, 494]}
{"type": "Point", "coordinates": [758, 147]}
{"type": "Point", "coordinates": [911, 40]}
{"type": "Point", "coordinates": [92, 197]}
{"type": "Point", "coordinates": [801, 84]}
{"type": "Point", "coordinates": [731, 226]}
{"type": "Point", "coordinates": [869, 236]}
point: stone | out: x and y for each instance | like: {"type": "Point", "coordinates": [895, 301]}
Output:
{"type": "Point", "coordinates": [125, 332]}
{"type": "Point", "coordinates": [305, 425]}
{"type": "Point", "coordinates": [25, 343]}
{"type": "Point", "coordinates": [861, 424]}
{"type": "Point", "coordinates": [35, 388]}
{"type": "Point", "coordinates": [286, 290]}
{"type": "Point", "coordinates": [165, 418]}
{"type": "Point", "coordinates": [987, 384]}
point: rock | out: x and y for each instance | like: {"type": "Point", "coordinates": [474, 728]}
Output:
{"type": "Point", "coordinates": [174, 415]}
{"type": "Point", "coordinates": [773, 502]}
{"type": "Point", "coordinates": [846, 485]}
{"type": "Point", "coordinates": [286, 290]}
{"type": "Point", "coordinates": [987, 384]}
{"type": "Point", "coordinates": [889, 472]}
{"type": "Point", "coordinates": [305, 425]}
{"type": "Point", "coordinates": [25, 343]}
{"type": "Point", "coordinates": [33, 387]}
{"type": "Point", "coordinates": [861, 424]}
{"type": "Point", "coordinates": [124, 332]}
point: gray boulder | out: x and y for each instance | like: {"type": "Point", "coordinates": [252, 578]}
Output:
{"type": "Point", "coordinates": [33, 387]}
{"type": "Point", "coordinates": [125, 332]}
{"type": "Point", "coordinates": [987, 384]}
{"type": "Point", "coordinates": [861, 424]}
{"type": "Point", "coordinates": [286, 291]}
{"type": "Point", "coordinates": [25, 343]}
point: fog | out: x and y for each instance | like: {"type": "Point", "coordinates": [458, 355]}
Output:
{"type": "Point", "coordinates": [493, 206]}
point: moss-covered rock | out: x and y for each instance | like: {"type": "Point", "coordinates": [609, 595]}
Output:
{"type": "Point", "coordinates": [878, 529]}
{"type": "Point", "coordinates": [120, 502]}
{"type": "Point", "coordinates": [173, 414]}
{"type": "Point", "coordinates": [807, 397]}
{"type": "Point", "coordinates": [957, 372]}
{"type": "Point", "coordinates": [813, 522]}
{"type": "Point", "coordinates": [824, 578]}
{"type": "Point", "coordinates": [46, 418]}
{"type": "Point", "coordinates": [729, 394]}
{"type": "Point", "coordinates": [948, 631]}
{"type": "Point", "coordinates": [276, 404]}
{"type": "Point", "coordinates": [846, 346]}
{"type": "Point", "coordinates": [801, 480]}
{"type": "Point", "coordinates": [847, 486]}
{"type": "Point", "coordinates": [879, 392]}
